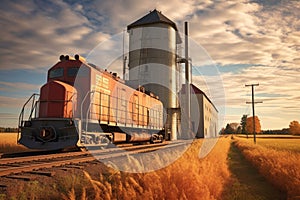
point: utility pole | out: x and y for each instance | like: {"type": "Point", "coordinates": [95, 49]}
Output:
{"type": "Point", "coordinates": [253, 112]}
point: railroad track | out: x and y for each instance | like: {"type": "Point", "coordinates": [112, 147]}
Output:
{"type": "Point", "coordinates": [9, 166]}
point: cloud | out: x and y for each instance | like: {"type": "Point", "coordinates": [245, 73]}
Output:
{"type": "Point", "coordinates": [241, 32]}
{"type": "Point", "coordinates": [17, 86]}
{"type": "Point", "coordinates": [250, 41]}
{"type": "Point", "coordinates": [36, 34]}
{"type": "Point", "coordinates": [278, 90]}
{"type": "Point", "coordinates": [8, 116]}
{"type": "Point", "coordinates": [231, 31]}
{"type": "Point", "coordinates": [11, 102]}
{"type": "Point", "coordinates": [115, 16]}
{"type": "Point", "coordinates": [278, 72]}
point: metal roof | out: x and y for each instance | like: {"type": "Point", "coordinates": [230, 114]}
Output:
{"type": "Point", "coordinates": [196, 90]}
{"type": "Point", "coordinates": [154, 17]}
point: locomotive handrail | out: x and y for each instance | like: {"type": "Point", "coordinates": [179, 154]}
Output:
{"type": "Point", "coordinates": [58, 101]}
{"type": "Point", "coordinates": [34, 104]}
{"type": "Point", "coordinates": [21, 116]}
{"type": "Point", "coordinates": [110, 113]}
{"type": "Point", "coordinates": [88, 110]}
{"type": "Point", "coordinates": [81, 112]}
{"type": "Point", "coordinates": [71, 100]}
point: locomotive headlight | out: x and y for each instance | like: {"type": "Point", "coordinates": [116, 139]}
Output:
{"type": "Point", "coordinates": [47, 134]}
{"type": "Point", "coordinates": [44, 133]}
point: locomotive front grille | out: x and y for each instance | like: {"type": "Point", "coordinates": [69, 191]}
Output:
{"type": "Point", "coordinates": [49, 133]}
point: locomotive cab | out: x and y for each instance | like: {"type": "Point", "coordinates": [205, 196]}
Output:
{"type": "Point", "coordinates": [65, 70]}
{"type": "Point", "coordinates": [53, 120]}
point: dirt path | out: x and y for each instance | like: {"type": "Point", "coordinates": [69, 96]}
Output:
{"type": "Point", "coordinates": [247, 183]}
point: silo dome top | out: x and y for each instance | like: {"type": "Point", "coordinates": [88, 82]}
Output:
{"type": "Point", "coordinates": [154, 17]}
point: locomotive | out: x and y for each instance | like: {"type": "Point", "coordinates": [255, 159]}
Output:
{"type": "Point", "coordinates": [82, 105]}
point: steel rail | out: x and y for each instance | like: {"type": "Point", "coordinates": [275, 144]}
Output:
{"type": "Point", "coordinates": [90, 156]}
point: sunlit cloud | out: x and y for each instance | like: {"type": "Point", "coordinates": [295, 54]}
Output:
{"type": "Point", "coordinates": [17, 86]}
{"type": "Point", "coordinates": [249, 41]}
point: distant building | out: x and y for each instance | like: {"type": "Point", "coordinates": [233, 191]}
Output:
{"type": "Point", "coordinates": [204, 115]}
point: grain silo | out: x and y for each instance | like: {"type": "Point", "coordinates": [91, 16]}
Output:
{"type": "Point", "coordinates": [153, 42]}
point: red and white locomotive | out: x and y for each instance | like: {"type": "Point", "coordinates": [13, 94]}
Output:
{"type": "Point", "coordinates": [82, 105]}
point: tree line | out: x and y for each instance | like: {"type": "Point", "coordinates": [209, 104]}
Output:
{"type": "Point", "coordinates": [246, 127]}
{"type": "Point", "coordinates": [8, 130]}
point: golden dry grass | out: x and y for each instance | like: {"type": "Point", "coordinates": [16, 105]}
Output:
{"type": "Point", "coordinates": [281, 144]}
{"type": "Point", "coordinates": [8, 143]}
{"type": "Point", "coordinates": [275, 161]}
{"type": "Point", "coordinates": [190, 177]}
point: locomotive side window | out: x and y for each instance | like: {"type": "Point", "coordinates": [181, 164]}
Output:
{"type": "Point", "coordinates": [105, 107]}
{"type": "Point", "coordinates": [121, 105]}
{"type": "Point", "coordinates": [135, 108]}
{"type": "Point", "coordinates": [55, 73]}
{"type": "Point", "coordinates": [123, 94]}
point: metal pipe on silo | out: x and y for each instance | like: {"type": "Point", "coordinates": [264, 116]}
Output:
{"type": "Point", "coordinates": [187, 77]}
{"type": "Point", "coordinates": [123, 56]}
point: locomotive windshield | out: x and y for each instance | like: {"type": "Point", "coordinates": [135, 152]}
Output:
{"type": "Point", "coordinates": [72, 71]}
{"type": "Point", "coordinates": [55, 73]}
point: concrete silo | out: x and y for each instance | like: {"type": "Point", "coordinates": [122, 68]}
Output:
{"type": "Point", "coordinates": [153, 41]}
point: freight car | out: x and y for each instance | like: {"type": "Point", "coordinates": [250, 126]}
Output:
{"type": "Point", "coordinates": [84, 105]}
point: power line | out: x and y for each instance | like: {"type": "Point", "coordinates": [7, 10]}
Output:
{"type": "Point", "coordinates": [253, 112]}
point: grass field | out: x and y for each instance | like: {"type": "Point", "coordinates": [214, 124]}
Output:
{"type": "Point", "coordinates": [233, 169]}
{"type": "Point", "coordinates": [278, 160]}
{"type": "Point", "coordinates": [8, 143]}
{"type": "Point", "coordinates": [248, 183]}
{"type": "Point", "coordinates": [187, 178]}
{"type": "Point", "coordinates": [280, 144]}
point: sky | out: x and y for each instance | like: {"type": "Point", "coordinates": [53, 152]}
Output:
{"type": "Point", "coordinates": [248, 41]}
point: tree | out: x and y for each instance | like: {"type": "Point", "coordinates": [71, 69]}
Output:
{"type": "Point", "coordinates": [222, 132]}
{"type": "Point", "coordinates": [294, 128]}
{"type": "Point", "coordinates": [249, 125]}
{"type": "Point", "coordinates": [239, 130]}
{"type": "Point", "coordinates": [234, 126]}
{"type": "Point", "coordinates": [243, 124]}
{"type": "Point", "coordinates": [228, 129]}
